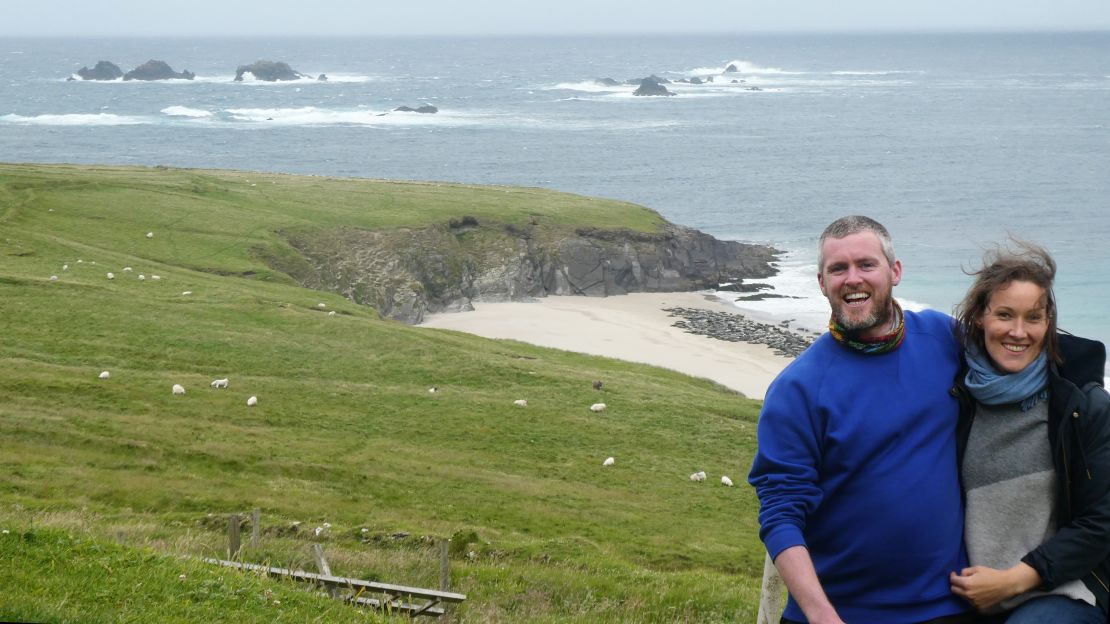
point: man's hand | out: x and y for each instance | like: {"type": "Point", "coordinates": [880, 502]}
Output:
{"type": "Point", "coordinates": [985, 587]}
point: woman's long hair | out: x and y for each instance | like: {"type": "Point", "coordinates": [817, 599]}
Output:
{"type": "Point", "coordinates": [1001, 267]}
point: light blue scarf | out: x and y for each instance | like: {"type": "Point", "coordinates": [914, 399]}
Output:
{"type": "Point", "coordinates": [1028, 386]}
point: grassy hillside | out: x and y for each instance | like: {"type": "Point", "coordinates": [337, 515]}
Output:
{"type": "Point", "coordinates": [109, 482]}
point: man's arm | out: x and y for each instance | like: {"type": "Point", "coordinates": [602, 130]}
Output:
{"type": "Point", "coordinates": [796, 569]}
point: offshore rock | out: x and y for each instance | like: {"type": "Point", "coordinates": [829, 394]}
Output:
{"type": "Point", "coordinates": [269, 71]}
{"type": "Point", "coordinates": [649, 87]}
{"type": "Point", "coordinates": [406, 273]}
{"type": "Point", "coordinates": [104, 70]}
{"type": "Point", "coordinates": [426, 109]}
{"type": "Point", "coordinates": [157, 70]}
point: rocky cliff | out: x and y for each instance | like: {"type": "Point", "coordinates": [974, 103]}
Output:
{"type": "Point", "coordinates": [406, 273]}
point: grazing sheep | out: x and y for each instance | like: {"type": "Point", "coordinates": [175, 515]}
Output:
{"type": "Point", "coordinates": [609, 461]}
{"type": "Point", "coordinates": [521, 402]}
{"type": "Point", "coordinates": [53, 278]}
{"type": "Point", "coordinates": [178, 389]}
{"type": "Point", "coordinates": [433, 390]}
{"type": "Point", "coordinates": [187, 292]}
{"type": "Point", "coordinates": [726, 481]}
{"type": "Point", "coordinates": [331, 313]}
{"type": "Point", "coordinates": [321, 305]}
{"type": "Point", "coordinates": [65, 267]}
{"type": "Point", "coordinates": [219, 383]}
{"type": "Point", "coordinates": [79, 261]}
{"type": "Point", "coordinates": [105, 375]}
{"type": "Point", "coordinates": [597, 407]}
{"type": "Point", "coordinates": [597, 385]}
{"type": "Point", "coordinates": [126, 269]}
{"type": "Point", "coordinates": [156, 277]}
{"type": "Point", "coordinates": [251, 402]}
{"type": "Point", "coordinates": [142, 277]}
{"type": "Point", "coordinates": [698, 476]}
{"type": "Point", "coordinates": [150, 234]}
{"type": "Point", "coordinates": [111, 275]}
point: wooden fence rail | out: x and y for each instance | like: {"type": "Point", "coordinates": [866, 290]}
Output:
{"type": "Point", "coordinates": [396, 595]}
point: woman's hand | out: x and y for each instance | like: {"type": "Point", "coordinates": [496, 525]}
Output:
{"type": "Point", "coordinates": [985, 587]}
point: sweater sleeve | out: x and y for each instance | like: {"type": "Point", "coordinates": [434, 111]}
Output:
{"type": "Point", "coordinates": [786, 466]}
{"type": "Point", "coordinates": [1081, 544]}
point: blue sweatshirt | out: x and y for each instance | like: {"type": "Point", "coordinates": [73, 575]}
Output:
{"type": "Point", "coordinates": [857, 462]}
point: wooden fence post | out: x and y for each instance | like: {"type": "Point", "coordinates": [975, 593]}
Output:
{"type": "Point", "coordinates": [322, 566]}
{"type": "Point", "coordinates": [771, 594]}
{"type": "Point", "coordinates": [444, 565]}
{"type": "Point", "coordinates": [233, 543]}
{"type": "Point", "coordinates": [256, 522]}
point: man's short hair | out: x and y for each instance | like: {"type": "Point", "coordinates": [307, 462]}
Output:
{"type": "Point", "coordinates": [854, 224]}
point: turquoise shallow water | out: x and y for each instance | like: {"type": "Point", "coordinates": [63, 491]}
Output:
{"type": "Point", "coordinates": [953, 140]}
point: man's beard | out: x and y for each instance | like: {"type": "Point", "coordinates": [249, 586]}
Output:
{"type": "Point", "coordinates": [880, 314]}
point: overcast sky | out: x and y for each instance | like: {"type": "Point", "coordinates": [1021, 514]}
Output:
{"type": "Point", "coordinates": [523, 17]}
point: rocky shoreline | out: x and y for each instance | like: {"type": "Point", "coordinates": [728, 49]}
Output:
{"type": "Point", "coordinates": [732, 327]}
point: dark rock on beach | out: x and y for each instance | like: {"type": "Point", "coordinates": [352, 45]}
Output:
{"type": "Point", "coordinates": [731, 69]}
{"type": "Point", "coordinates": [406, 273]}
{"type": "Point", "coordinates": [104, 70]}
{"type": "Point", "coordinates": [739, 328]}
{"type": "Point", "coordinates": [695, 80]}
{"type": "Point", "coordinates": [322, 78]}
{"type": "Point", "coordinates": [426, 108]}
{"type": "Point", "coordinates": [269, 71]}
{"type": "Point", "coordinates": [650, 87]}
{"type": "Point", "coordinates": [157, 70]}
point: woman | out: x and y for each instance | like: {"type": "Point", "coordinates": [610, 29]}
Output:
{"type": "Point", "coordinates": [1034, 451]}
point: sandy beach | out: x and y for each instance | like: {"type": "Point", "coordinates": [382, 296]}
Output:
{"type": "Point", "coordinates": [630, 327]}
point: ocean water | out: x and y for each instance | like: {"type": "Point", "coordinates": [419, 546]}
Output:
{"type": "Point", "coordinates": [954, 141]}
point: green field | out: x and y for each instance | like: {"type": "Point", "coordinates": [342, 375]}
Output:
{"type": "Point", "coordinates": [112, 487]}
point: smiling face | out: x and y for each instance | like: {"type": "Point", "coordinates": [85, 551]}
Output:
{"type": "Point", "coordinates": [1014, 325]}
{"type": "Point", "coordinates": [858, 281]}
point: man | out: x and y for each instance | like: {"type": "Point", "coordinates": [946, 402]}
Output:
{"type": "Point", "coordinates": [860, 504]}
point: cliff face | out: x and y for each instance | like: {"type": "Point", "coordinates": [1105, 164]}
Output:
{"type": "Point", "coordinates": [409, 272]}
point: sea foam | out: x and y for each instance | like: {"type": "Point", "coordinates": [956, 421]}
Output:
{"type": "Point", "coordinates": [98, 119]}
{"type": "Point", "coordinates": [185, 111]}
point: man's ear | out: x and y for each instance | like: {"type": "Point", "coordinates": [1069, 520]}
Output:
{"type": "Point", "coordinates": [821, 283]}
{"type": "Point", "coordinates": [897, 271]}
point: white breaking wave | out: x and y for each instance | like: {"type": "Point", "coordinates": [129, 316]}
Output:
{"type": "Point", "coordinates": [99, 119]}
{"type": "Point", "coordinates": [873, 73]}
{"type": "Point", "coordinates": [743, 67]}
{"type": "Point", "coordinates": [591, 86]}
{"type": "Point", "coordinates": [185, 111]}
{"type": "Point", "coordinates": [313, 116]}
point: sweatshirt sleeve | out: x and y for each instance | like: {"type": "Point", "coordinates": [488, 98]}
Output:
{"type": "Point", "coordinates": [786, 466]}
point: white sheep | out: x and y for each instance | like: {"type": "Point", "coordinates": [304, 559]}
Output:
{"type": "Point", "coordinates": [156, 277]}
{"type": "Point", "coordinates": [111, 275]}
{"type": "Point", "coordinates": [321, 305]}
{"type": "Point", "coordinates": [105, 375]}
{"type": "Point", "coordinates": [53, 278]}
{"type": "Point", "coordinates": [598, 407]}
{"type": "Point", "coordinates": [126, 269]}
{"type": "Point", "coordinates": [521, 402]}
{"type": "Point", "coordinates": [150, 234]}
{"type": "Point", "coordinates": [698, 476]}
{"type": "Point", "coordinates": [331, 313]}
{"type": "Point", "coordinates": [433, 390]}
{"type": "Point", "coordinates": [609, 461]}
{"type": "Point", "coordinates": [251, 402]}
{"type": "Point", "coordinates": [219, 383]}
{"type": "Point", "coordinates": [187, 292]}
{"type": "Point", "coordinates": [65, 267]}
{"type": "Point", "coordinates": [178, 389]}
{"type": "Point", "coordinates": [142, 277]}
{"type": "Point", "coordinates": [79, 261]}
{"type": "Point", "coordinates": [726, 481]}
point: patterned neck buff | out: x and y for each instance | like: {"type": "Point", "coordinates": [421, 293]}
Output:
{"type": "Point", "coordinates": [872, 346]}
